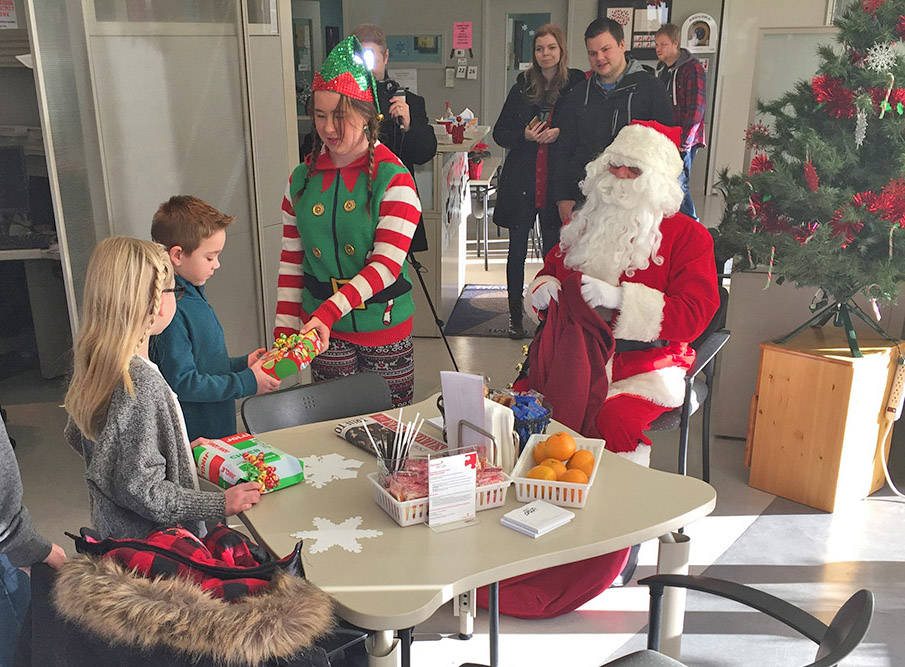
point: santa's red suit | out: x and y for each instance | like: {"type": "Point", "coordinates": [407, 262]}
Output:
{"type": "Point", "coordinates": [668, 305]}
{"type": "Point", "coordinates": [610, 370]}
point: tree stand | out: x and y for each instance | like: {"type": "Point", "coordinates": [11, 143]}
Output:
{"type": "Point", "coordinates": [840, 312]}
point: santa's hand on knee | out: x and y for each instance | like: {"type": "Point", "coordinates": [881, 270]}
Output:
{"type": "Point", "coordinates": [600, 294]}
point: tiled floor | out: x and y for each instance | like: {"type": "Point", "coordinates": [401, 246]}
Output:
{"type": "Point", "coordinates": [811, 558]}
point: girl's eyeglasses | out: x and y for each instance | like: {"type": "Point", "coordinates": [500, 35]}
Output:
{"type": "Point", "coordinates": [177, 290]}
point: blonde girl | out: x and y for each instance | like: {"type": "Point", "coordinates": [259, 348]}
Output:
{"type": "Point", "coordinates": [123, 418]}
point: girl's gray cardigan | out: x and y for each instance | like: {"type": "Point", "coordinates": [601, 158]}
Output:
{"type": "Point", "coordinates": [138, 472]}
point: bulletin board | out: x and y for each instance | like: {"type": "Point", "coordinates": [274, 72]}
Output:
{"type": "Point", "coordinates": [640, 20]}
{"type": "Point", "coordinates": [415, 48]}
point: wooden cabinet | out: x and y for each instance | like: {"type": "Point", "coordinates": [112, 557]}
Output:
{"type": "Point", "coordinates": [817, 416]}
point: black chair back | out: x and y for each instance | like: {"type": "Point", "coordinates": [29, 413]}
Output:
{"type": "Point", "coordinates": [846, 630]}
{"type": "Point", "coordinates": [347, 396]}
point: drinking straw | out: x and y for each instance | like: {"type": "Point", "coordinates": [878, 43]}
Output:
{"type": "Point", "coordinates": [370, 437]}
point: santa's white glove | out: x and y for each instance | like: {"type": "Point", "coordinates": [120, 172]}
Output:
{"type": "Point", "coordinates": [599, 293]}
{"type": "Point", "coordinates": [540, 297]}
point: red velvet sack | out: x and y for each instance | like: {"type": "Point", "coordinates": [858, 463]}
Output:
{"type": "Point", "coordinates": [567, 359]}
{"type": "Point", "coordinates": [566, 364]}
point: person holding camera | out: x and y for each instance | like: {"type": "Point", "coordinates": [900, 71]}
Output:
{"type": "Point", "coordinates": [524, 127]}
{"type": "Point", "coordinates": [405, 128]}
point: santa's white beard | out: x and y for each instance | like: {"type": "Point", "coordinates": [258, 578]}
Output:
{"type": "Point", "coordinates": [618, 229]}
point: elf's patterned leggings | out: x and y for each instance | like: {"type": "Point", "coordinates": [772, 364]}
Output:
{"type": "Point", "coordinates": [395, 363]}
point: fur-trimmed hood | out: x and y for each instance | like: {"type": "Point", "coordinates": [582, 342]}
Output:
{"type": "Point", "coordinates": [102, 597]}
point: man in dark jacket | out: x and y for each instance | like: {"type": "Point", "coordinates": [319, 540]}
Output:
{"type": "Point", "coordinates": [405, 128]}
{"type": "Point", "coordinates": [618, 90]}
{"type": "Point", "coordinates": [686, 87]}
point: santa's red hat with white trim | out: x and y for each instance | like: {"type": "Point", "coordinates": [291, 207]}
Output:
{"type": "Point", "coordinates": [648, 145]}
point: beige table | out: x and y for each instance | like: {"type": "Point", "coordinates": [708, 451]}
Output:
{"type": "Point", "coordinates": [402, 577]}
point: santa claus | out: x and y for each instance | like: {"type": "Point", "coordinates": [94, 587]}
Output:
{"type": "Point", "coordinates": [631, 284]}
{"type": "Point", "coordinates": [649, 275]}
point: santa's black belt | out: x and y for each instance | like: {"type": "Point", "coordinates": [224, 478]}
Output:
{"type": "Point", "coordinates": [324, 290]}
{"type": "Point", "coordinates": [637, 345]}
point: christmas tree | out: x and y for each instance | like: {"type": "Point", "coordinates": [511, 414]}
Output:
{"type": "Point", "coordinates": [823, 201]}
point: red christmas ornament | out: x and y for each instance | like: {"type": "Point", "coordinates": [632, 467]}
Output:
{"type": "Point", "coordinates": [871, 6]}
{"type": "Point", "coordinates": [847, 229]}
{"type": "Point", "coordinates": [760, 163]}
{"type": "Point", "coordinates": [835, 97]}
{"type": "Point", "coordinates": [900, 26]}
{"type": "Point", "coordinates": [810, 176]}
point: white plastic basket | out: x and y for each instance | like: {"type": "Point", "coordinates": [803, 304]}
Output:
{"type": "Point", "coordinates": [566, 494]}
{"type": "Point", "coordinates": [410, 512]}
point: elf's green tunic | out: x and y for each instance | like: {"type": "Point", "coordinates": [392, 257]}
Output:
{"type": "Point", "coordinates": [337, 230]}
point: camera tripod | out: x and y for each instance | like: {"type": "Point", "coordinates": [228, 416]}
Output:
{"type": "Point", "coordinates": [419, 267]}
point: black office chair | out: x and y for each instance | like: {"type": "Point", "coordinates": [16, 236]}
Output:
{"type": "Point", "coordinates": [347, 396]}
{"type": "Point", "coordinates": [835, 641]}
{"type": "Point", "coordinates": [698, 391]}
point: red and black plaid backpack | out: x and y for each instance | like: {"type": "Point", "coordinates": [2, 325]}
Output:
{"type": "Point", "coordinates": [225, 562]}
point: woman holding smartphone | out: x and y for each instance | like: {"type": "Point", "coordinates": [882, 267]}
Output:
{"type": "Point", "coordinates": [525, 128]}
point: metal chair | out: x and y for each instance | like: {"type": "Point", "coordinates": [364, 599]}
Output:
{"type": "Point", "coordinates": [698, 391]}
{"type": "Point", "coordinates": [835, 641]}
{"type": "Point", "coordinates": [347, 396]}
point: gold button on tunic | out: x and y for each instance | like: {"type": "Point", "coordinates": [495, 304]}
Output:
{"type": "Point", "coordinates": [318, 209]}
{"type": "Point", "coordinates": [350, 249]}
{"type": "Point", "coordinates": [316, 252]}
{"type": "Point", "coordinates": [349, 206]}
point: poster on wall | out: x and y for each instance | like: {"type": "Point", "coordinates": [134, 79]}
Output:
{"type": "Point", "coordinates": [8, 14]}
{"type": "Point", "coordinates": [699, 34]}
{"type": "Point", "coordinates": [622, 16]}
{"type": "Point", "coordinates": [640, 20]}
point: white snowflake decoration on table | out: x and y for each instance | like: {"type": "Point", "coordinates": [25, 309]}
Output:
{"type": "Point", "coordinates": [880, 57]}
{"type": "Point", "coordinates": [321, 470]}
{"type": "Point", "coordinates": [860, 127]}
{"type": "Point", "coordinates": [329, 534]}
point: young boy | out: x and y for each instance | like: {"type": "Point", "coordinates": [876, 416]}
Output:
{"type": "Point", "coordinates": [191, 351]}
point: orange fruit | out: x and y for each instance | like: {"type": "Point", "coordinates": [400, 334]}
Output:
{"type": "Point", "coordinates": [582, 460]}
{"type": "Point", "coordinates": [575, 476]}
{"type": "Point", "coordinates": [557, 466]}
{"type": "Point", "coordinates": [560, 446]}
{"type": "Point", "coordinates": [540, 452]}
{"type": "Point", "coordinates": [542, 472]}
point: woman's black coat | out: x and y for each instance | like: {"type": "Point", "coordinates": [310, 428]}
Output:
{"type": "Point", "coordinates": [515, 195]}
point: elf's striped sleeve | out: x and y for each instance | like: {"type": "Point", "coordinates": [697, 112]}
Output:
{"type": "Point", "coordinates": [291, 277]}
{"type": "Point", "coordinates": [399, 212]}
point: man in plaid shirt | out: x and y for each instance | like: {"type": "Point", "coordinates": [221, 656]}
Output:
{"type": "Point", "coordinates": [686, 85]}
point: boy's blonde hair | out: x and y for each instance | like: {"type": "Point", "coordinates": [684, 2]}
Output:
{"type": "Point", "coordinates": [186, 221]}
{"type": "Point", "coordinates": [123, 289]}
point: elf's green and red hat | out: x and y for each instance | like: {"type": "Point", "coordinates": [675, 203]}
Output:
{"type": "Point", "coordinates": [345, 71]}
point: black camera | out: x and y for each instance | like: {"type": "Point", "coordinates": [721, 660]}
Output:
{"type": "Point", "coordinates": [387, 89]}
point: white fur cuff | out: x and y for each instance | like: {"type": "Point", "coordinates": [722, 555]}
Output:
{"type": "Point", "coordinates": [641, 455]}
{"type": "Point", "coordinates": [641, 315]}
{"type": "Point", "coordinates": [664, 386]}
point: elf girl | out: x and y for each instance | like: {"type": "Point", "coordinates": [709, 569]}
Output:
{"type": "Point", "coordinates": [349, 214]}
{"type": "Point", "coordinates": [123, 417]}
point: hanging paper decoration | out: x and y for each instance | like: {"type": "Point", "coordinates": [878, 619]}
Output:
{"type": "Point", "coordinates": [759, 164]}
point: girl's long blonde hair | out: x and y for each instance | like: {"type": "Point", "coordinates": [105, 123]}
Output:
{"type": "Point", "coordinates": [538, 91]}
{"type": "Point", "coordinates": [123, 289]}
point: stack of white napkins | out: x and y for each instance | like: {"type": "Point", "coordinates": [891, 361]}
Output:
{"type": "Point", "coordinates": [537, 518]}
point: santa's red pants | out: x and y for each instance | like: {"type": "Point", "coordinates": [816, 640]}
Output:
{"type": "Point", "coordinates": [558, 590]}
{"type": "Point", "coordinates": [623, 419]}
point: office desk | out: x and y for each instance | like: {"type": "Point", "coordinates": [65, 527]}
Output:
{"type": "Point", "coordinates": [401, 578]}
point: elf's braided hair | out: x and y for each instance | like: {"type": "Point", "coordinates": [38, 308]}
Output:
{"type": "Point", "coordinates": [346, 105]}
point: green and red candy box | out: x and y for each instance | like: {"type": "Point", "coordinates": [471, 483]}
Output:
{"type": "Point", "coordinates": [292, 353]}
